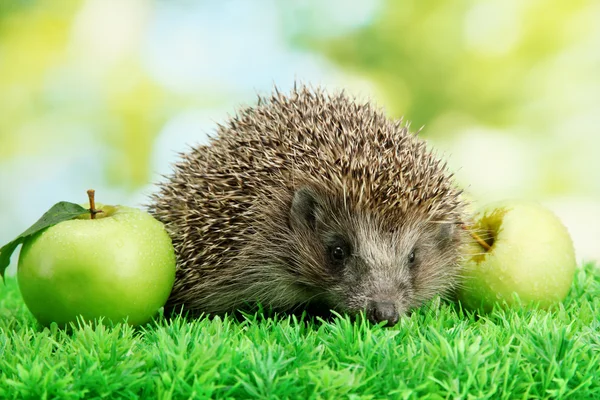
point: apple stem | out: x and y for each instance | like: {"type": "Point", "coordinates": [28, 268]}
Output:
{"type": "Point", "coordinates": [481, 242]}
{"type": "Point", "coordinates": [91, 194]}
{"type": "Point", "coordinates": [478, 238]}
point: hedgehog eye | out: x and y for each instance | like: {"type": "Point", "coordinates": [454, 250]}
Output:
{"type": "Point", "coordinates": [411, 258]}
{"type": "Point", "coordinates": [339, 251]}
{"type": "Point", "coordinates": [338, 254]}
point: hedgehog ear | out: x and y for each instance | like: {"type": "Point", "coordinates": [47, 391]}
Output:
{"type": "Point", "coordinates": [304, 208]}
{"type": "Point", "coordinates": [446, 233]}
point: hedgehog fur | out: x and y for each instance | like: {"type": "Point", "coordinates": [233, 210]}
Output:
{"type": "Point", "coordinates": [312, 198]}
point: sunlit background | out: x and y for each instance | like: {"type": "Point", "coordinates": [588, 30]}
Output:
{"type": "Point", "coordinates": [104, 93]}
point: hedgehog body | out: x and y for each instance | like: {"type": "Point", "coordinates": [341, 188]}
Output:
{"type": "Point", "coordinates": [311, 198]}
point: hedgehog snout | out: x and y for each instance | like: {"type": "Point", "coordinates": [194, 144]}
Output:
{"type": "Point", "coordinates": [379, 311]}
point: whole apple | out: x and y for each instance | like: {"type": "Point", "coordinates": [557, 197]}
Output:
{"type": "Point", "coordinates": [119, 265]}
{"type": "Point", "coordinates": [527, 251]}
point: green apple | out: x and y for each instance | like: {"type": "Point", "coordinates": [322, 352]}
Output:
{"type": "Point", "coordinates": [527, 251]}
{"type": "Point", "coordinates": [116, 262]}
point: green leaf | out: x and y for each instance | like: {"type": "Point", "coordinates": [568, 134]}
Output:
{"type": "Point", "coordinates": [59, 212]}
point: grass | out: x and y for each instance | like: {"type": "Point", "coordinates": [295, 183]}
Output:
{"type": "Point", "coordinates": [440, 352]}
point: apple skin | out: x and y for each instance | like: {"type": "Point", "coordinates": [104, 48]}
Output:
{"type": "Point", "coordinates": [119, 266]}
{"type": "Point", "coordinates": [532, 255]}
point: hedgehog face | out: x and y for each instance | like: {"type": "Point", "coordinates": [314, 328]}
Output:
{"type": "Point", "coordinates": [366, 266]}
{"type": "Point", "coordinates": [396, 271]}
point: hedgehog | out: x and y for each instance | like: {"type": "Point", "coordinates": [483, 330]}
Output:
{"type": "Point", "coordinates": [311, 198]}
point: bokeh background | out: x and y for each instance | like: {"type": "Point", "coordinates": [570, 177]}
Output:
{"type": "Point", "coordinates": [103, 93]}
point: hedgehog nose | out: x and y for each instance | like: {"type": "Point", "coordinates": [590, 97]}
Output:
{"type": "Point", "coordinates": [382, 311]}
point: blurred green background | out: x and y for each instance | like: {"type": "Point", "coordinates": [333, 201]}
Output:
{"type": "Point", "coordinates": [104, 94]}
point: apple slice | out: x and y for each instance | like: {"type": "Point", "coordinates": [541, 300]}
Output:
{"type": "Point", "coordinates": [520, 248]}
